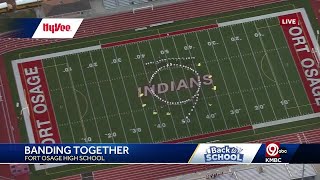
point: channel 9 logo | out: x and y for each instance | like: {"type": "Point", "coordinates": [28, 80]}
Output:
{"type": "Point", "coordinates": [273, 152]}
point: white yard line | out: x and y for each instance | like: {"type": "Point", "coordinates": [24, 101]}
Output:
{"type": "Point", "coordinates": [284, 121]}
{"type": "Point", "coordinates": [234, 73]}
{"type": "Point", "coordinates": [300, 106]}
{"type": "Point", "coordinates": [270, 65]}
{"type": "Point", "coordinates": [114, 96]}
{"type": "Point", "coordinates": [245, 68]}
{"type": "Point", "coordinates": [173, 122]}
{"type": "Point", "coordinates": [184, 74]}
{"type": "Point", "coordinates": [255, 61]}
{"type": "Point", "coordinates": [77, 102]}
{"type": "Point", "coordinates": [205, 100]}
{"type": "Point", "coordinates": [7, 118]}
{"type": "Point", "coordinates": [64, 100]}
{"type": "Point", "coordinates": [89, 97]}
{"type": "Point", "coordinates": [63, 53]}
{"type": "Point", "coordinates": [128, 99]}
{"type": "Point", "coordinates": [136, 83]}
{"type": "Point", "coordinates": [224, 80]}
{"type": "Point", "coordinates": [256, 18]}
{"type": "Point", "coordinates": [101, 96]}
{"type": "Point", "coordinates": [215, 93]}
{"type": "Point", "coordinates": [284, 69]}
{"type": "Point", "coordinates": [153, 99]}
{"type": "Point", "coordinates": [183, 112]}
{"type": "Point", "coordinates": [51, 120]}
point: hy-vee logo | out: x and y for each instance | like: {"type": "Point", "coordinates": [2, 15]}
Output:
{"type": "Point", "coordinates": [56, 27]}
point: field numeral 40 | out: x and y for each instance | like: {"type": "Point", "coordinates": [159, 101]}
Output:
{"type": "Point", "coordinates": [140, 56]}
{"type": "Point", "coordinates": [87, 139]}
{"type": "Point", "coordinates": [212, 43]}
{"type": "Point", "coordinates": [235, 111]}
{"type": "Point", "coordinates": [165, 51]}
{"type": "Point", "coordinates": [258, 34]}
{"type": "Point", "coordinates": [211, 116]}
{"type": "Point", "coordinates": [135, 130]}
{"type": "Point", "coordinates": [161, 125]}
{"type": "Point", "coordinates": [185, 121]}
{"type": "Point", "coordinates": [284, 102]}
{"type": "Point", "coordinates": [188, 47]}
{"type": "Point", "coordinates": [91, 65]}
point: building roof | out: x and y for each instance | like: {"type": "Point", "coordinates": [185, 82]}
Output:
{"type": "Point", "coordinates": [65, 6]}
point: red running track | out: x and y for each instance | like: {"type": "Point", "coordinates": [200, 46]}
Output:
{"type": "Point", "coordinates": [128, 20]}
{"type": "Point", "coordinates": [147, 172]}
{"type": "Point", "coordinates": [8, 120]}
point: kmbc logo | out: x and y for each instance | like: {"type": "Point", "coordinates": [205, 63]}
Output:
{"type": "Point", "coordinates": [57, 28]}
{"type": "Point", "coordinates": [273, 152]}
{"type": "Point", "coordinates": [272, 149]}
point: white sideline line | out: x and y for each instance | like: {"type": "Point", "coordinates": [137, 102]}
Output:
{"type": "Point", "coordinates": [288, 120]}
{"type": "Point", "coordinates": [140, 29]}
{"type": "Point", "coordinates": [57, 54]}
{"type": "Point", "coordinates": [162, 23]}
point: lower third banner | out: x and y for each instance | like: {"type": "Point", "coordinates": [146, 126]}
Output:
{"type": "Point", "coordinates": [159, 153]}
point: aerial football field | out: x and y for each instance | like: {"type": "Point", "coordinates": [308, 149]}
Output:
{"type": "Point", "coordinates": [166, 87]}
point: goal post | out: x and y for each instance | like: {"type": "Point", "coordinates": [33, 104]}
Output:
{"type": "Point", "coordinates": [141, 8]}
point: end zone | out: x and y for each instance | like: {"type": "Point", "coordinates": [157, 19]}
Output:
{"type": "Point", "coordinates": [304, 49]}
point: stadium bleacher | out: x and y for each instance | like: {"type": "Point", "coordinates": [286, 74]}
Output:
{"type": "Point", "coordinates": [266, 172]}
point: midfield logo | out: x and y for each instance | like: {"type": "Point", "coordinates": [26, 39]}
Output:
{"type": "Point", "coordinates": [56, 27]}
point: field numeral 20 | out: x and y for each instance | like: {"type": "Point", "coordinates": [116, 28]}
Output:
{"type": "Point", "coordinates": [116, 61]}
{"type": "Point", "coordinates": [235, 111]}
{"type": "Point", "coordinates": [259, 107]}
{"type": "Point", "coordinates": [235, 38]}
{"type": "Point", "coordinates": [111, 135]}
{"type": "Point", "coordinates": [67, 69]}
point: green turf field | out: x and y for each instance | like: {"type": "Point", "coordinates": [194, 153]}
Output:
{"type": "Point", "coordinates": [96, 99]}
{"type": "Point", "coordinates": [254, 59]}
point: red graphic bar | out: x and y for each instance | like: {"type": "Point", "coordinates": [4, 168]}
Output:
{"type": "Point", "coordinates": [201, 28]}
{"type": "Point", "coordinates": [42, 118]}
{"type": "Point", "coordinates": [302, 49]}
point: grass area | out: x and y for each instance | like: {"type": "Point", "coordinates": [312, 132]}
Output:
{"type": "Point", "coordinates": [231, 74]}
